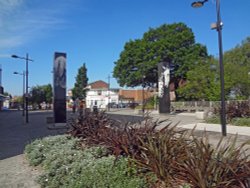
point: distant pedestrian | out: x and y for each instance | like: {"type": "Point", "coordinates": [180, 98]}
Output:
{"type": "Point", "coordinates": [74, 106]}
{"type": "Point", "coordinates": [81, 107]}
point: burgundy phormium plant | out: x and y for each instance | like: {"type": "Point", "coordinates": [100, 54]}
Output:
{"type": "Point", "coordinates": [175, 156]}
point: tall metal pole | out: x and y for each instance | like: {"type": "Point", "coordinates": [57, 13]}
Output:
{"type": "Point", "coordinates": [143, 97]}
{"type": "Point", "coordinates": [218, 27]}
{"type": "Point", "coordinates": [223, 106]}
{"type": "Point", "coordinates": [26, 95]}
{"type": "Point", "coordinates": [23, 93]}
{"type": "Point", "coordinates": [109, 93]}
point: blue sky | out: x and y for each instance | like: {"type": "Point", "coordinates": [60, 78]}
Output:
{"type": "Point", "coordinates": [95, 31]}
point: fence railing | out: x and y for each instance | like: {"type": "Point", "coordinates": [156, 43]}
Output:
{"type": "Point", "coordinates": [199, 105]}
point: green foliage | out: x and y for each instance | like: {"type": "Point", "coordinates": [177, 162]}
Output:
{"type": "Point", "coordinates": [18, 99]}
{"type": "Point", "coordinates": [79, 90]}
{"type": "Point", "coordinates": [104, 173]}
{"type": "Point", "coordinates": [213, 120]}
{"type": "Point", "coordinates": [237, 69]}
{"type": "Point", "coordinates": [237, 81]}
{"type": "Point", "coordinates": [175, 157]}
{"type": "Point", "coordinates": [150, 103]}
{"type": "Point", "coordinates": [6, 94]}
{"type": "Point", "coordinates": [173, 43]}
{"type": "Point", "coordinates": [202, 82]}
{"type": "Point", "coordinates": [241, 121]}
{"type": "Point", "coordinates": [41, 94]}
{"type": "Point", "coordinates": [235, 121]}
{"type": "Point", "coordinates": [40, 149]}
{"type": "Point", "coordinates": [66, 165]}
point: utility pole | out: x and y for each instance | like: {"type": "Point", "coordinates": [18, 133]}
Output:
{"type": "Point", "coordinates": [109, 92]}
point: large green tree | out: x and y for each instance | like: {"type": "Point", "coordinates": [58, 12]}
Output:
{"type": "Point", "coordinates": [203, 82]}
{"type": "Point", "coordinates": [237, 70]}
{"type": "Point", "coordinates": [172, 43]}
{"type": "Point", "coordinates": [41, 93]}
{"type": "Point", "coordinates": [79, 90]}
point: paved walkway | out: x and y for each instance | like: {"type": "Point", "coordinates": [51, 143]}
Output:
{"type": "Point", "coordinates": [187, 121]}
{"type": "Point", "coordinates": [15, 134]}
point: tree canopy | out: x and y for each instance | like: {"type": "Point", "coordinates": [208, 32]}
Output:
{"type": "Point", "coordinates": [237, 70]}
{"type": "Point", "coordinates": [41, 94]}
{"type": "Point", "coordinates": [203, 83]}
{"type": "Point", "coordinates": [172, 43]}
{"type": "Point", "coordinates": [79, 90]}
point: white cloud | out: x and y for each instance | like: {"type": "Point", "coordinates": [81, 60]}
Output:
{"type": "Point", "coordinates": [6, 6]}
{"type": "Point", "coordinates": [22, 21]}
{"type": "Point", "coordinates": [11, 42]}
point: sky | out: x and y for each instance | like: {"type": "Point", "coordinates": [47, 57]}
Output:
{"type": "Point", "coordinates": [94, 32]}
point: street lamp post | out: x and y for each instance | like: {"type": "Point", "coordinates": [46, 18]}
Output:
{"type": "Point", "coordinates": [218, 27]}
{"type": "Point", "coordinates": [27, 73]}
{"type": "Point", "coordinates": [143, 94]}
{"type": "Point", "coordinates": [109, 93]}
{"type": "Point", "coordinates": [23, 74]}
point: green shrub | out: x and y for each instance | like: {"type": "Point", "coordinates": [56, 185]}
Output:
{"type": "Point", "coordinates": [175, 157]}
{"type": "Point", "coordinates": [103, 173]}
{"type": "Point", "coordinates": [234, 121]}
{"type": "Point", "coordinates": [66, 165]}
{"type": "Point", "coordinates": [39, 150]}
{"type": "Point", "coordinates": [213, 120]}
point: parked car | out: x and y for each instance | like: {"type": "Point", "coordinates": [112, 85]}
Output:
{"type": "Point", "coordinates": [121, 105]}
{"type": "Point", "coordinates": [133, 105]}
{"type": "Point", "coordinates": [112, 105]}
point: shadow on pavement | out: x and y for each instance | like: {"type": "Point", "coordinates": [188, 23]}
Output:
{"type": "Point", "coordinates": [15, 133]}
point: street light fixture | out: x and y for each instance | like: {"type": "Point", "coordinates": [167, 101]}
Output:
{"type": "Point", "coordinates": [22, 74]}
{"type": "Point", "coordinates": [27, 73]}
{"type": "Point", "coordinates": [218, 27]}
{"type": "Point", "coordinates": [198, 4]}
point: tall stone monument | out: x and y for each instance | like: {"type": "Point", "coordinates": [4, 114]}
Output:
{"type": "Point", "coordinates": [59, 94]}
{"type": "Point", "coordinates": [163, 87]}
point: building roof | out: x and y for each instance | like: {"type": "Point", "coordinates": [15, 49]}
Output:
{"type": "Point", "coordinates": [98, 85]}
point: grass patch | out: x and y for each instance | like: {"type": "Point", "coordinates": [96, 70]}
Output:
{"type": "Point", "coordinates": [235, 121]}
{"type": "Point", "coordinates": [241, 122]}
{"type": "Point", "coordinates": [213, 120]}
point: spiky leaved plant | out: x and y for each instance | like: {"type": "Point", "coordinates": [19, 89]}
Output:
{"type": "Point", "coordinates": [222, 166]}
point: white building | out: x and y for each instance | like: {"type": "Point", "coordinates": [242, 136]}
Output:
{"type": "Point", "coordinates": [99, 94]}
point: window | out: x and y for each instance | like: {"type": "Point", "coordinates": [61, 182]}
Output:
{"type": "Point", "coordinates": [99, 92]}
